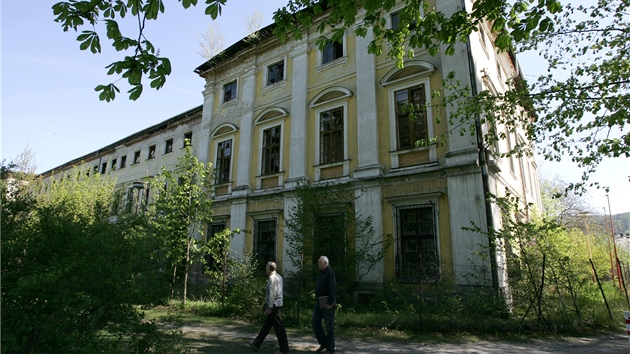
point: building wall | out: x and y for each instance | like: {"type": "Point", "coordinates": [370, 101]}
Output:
{"type": "Point", "coordinates": [443, 180]}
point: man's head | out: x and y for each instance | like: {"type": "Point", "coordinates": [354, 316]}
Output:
{"type": "Point", "coordinates": [271, 267]}
{"type": "Point", "coordinates": [322, 263]}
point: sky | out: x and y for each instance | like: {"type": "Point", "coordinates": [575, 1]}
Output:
{"type": "Point", "coordinates": [48, 102]}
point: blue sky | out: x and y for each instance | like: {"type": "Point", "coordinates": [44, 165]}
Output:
{"type": "Point", "coordinates": [48, 102]}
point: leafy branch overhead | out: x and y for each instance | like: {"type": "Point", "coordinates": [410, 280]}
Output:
{"type": "Point", "coordinates": [579, 108]}
{"type": "Point", "coordinates": [141, 59]}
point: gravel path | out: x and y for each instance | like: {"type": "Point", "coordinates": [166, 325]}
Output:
{"type": "Point", "coordinates": [234, 339]}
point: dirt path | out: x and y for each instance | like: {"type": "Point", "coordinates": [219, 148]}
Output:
{"type": "Point", "coordinates": [234, 340]}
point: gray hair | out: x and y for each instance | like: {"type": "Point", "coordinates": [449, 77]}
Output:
{"type": "Point", "coordinates": [325, 259]}
{"type": "Point", "coordinates": [271, 265]}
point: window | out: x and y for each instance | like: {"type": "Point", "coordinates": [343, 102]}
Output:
{"type": "Point", "coordinates": [333, 50]}
{"type": "Point", "coordinates": [330, 238]}
{"type": "Point", "coordinates": [417, 254]}
{"type": "Point", "coordinates": [395, 17]}
{"type": "Point", "coordinates": [136, 157]}
{"type": "Point", "coordinates": [229, 91]}
{"type": "Point", "coordinates": [213, 229]}
{"type": "Point", "coordinates": [95, 169]}
{"type": "Point", "coordinates": [224, 157]}
{"type": "Point", "coordinates": [410, 128]}
{"type": "Point", "coordinates": [331, 136]}
{"type": "Point", "coordinates": [187, 139]}
{"type": "Point", "coordinates": [123, 161]}
{"type": "Point", "coordinates": [103, 168]}
{"type": "Point", "coordinates": [271, 150]}
{"type": "Point", "coordinates": [265, 241]}
{"type": "Point", "coordinates": [275, 73]}
{"type": "Point", "coordinates": [151, 154]}
{"type": "Point", "coordinates": [168, 146]}
{"type": "Point", "coordinates": [114, 163]}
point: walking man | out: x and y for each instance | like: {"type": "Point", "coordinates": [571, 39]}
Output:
{"type": "Point", "coordinates": [272, 310]}
{"type": "Point", "coordinates": [325, 301]}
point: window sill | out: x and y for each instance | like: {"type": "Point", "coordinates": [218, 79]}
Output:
{"type": "Point", "coordinates": [231, 102]}
{"type": "Point", "coordinates": [331, 64]}
{"type": "Point", "coordinates": [333, 170]}
{"type": "Point", "coordinates": [272, 180]}
{"type": "Point", "coordinates": [413, 156]}
{"type": "Point", "coordinates": [276, 85]}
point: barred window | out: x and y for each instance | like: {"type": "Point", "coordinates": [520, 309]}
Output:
{"type": "Point", "coordinates": [265, 241]}
{"type": "Point", "coordinates": [330, 237]}
{"type": "Point", "coordinates": [417, 254]}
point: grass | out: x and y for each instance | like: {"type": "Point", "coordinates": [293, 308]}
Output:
{"type": "Point", "coordinates": [205, 332]}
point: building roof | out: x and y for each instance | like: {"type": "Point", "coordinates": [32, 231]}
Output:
{"type": "Point", "coordinates": [129, 139]}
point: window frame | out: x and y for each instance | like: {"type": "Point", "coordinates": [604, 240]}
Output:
{"type": "Point", "coordinates": [333, 147]}
{"type": "Point", "coordinates": [264, 149]}
{"type": "Point", "coordinates": [397, 85]}
{"type": "Point", "coordinates": [268, 78]}
{"type": "Point", "coordinates": [168, 146]}
{"type": "Point", "coordinates": [151, 152]}
{"type": "Point", "coordinates": [114, 163]}
{"type": "Point", "coordinates": [320, 103]}
{"type": "Point", "coordinates": [184, 137]}
{"type": "Point", "coordinates": [393, 25]}
{"type": "Point", "coordinates": [123, 161]}
{"type": "Point", "coordinates": [271, 242]}
{"type": "Point", "coordinates": [234, 96]}
{"type": "Point", "coordinates": [335, 236]}
{"type": "Point", "coordinates": [332, 51]}
{"type": "Point", "coordinates": [219, 164]}
{"type": "Point", "coordinates": [341, 60]}
{"type": "Point", "coordinates": [136, 157]}
{"type": "Point", "coordinates": [413, 134]}
{"type": "Point", "coordinates": [401, 251]}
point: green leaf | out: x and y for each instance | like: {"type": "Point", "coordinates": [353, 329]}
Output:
{"type": "Point", "coordinates": [135, 92]}
{"type": "Point", "coordinates": [108, 92]}
{"type": "Point", "coordinates": [89, 39]}
{"type": "Point", "coordinates": [214, 8]}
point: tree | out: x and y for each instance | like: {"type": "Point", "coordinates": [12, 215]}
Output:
{"type": "Point", "coordinates": [566, 209]}
{"type": "Point", "coordinates": [324, 221]}
{"type": "Point", "coordinates": [72, 275]}
{"type": "Point", "coordinates": [211, 43]}
{"type": "Point", "coordinates": [143, 59]}
{"type": "Point", "coordinates": [181, 208]}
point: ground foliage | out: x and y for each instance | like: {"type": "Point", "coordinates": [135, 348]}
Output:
{"type": "Point", "coordinates": [72, 275]}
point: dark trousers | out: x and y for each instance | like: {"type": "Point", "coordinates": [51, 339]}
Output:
{"type": "Point", "coordinates": [327, 339]}
{"type": "Point", "coordinates": [273, 320]}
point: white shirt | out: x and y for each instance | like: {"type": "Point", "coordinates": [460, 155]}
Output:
{"type": "Point", "coordinates": [274, 290]}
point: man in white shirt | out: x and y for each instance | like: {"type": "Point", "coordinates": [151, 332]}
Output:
{"type": "Point", "coordinates": [274, 305]}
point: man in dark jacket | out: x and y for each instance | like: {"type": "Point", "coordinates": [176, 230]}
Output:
{"type": "Point", "coordinates": [326, 288]}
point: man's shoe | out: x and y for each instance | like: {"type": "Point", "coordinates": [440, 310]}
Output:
{"type": "Point", "coordinates": [251, 344]}
{"type": "Point", "coordinates": [321, 348]}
